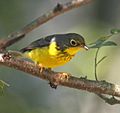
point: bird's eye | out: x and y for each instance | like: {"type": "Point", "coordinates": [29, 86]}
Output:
{"type": "Point", "coordinates": [73, 42]}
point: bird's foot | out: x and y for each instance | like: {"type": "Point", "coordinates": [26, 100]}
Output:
{"type": "Point", "coordinates": [41, 67]}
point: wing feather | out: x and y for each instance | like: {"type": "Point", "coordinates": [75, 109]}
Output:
{"type": "Point", "coordinates": [38, 43]}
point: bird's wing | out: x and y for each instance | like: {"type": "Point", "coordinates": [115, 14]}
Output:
{"type": "Point", "coordinates": [38, 43]}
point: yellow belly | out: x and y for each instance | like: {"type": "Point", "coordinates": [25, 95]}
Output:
{"type": "Point", "coordinates": [43, 57]}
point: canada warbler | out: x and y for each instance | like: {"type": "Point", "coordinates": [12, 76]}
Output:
{"type": "Point", "coordinates": [54, 50]}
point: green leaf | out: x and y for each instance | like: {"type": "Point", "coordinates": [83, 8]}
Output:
{"type": "Point", "coordinates": [109, 43]}
{"type": "Point", "coordinates": [115, 31]}
{"type": "Point", "coordinates": [101, 60]}
{"type": "Point", "coordinates": [102, 41]}
{"type": "Point", "coordinates": [95, 46]}
{"type": "Point", "coordinates": [99, 43]}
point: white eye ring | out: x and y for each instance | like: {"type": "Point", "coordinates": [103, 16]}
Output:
{"type": "Point", "coordinates": [73, 42]}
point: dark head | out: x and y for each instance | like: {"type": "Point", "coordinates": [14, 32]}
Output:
{"type": "Point", "coordinates": [70, 40]}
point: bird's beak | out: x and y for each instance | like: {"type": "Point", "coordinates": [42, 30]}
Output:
{"type": "Point", "coordinates": [85, 47]}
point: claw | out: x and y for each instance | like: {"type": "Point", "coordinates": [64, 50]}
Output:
{"type": "Point", "coordinates": [41, 67]}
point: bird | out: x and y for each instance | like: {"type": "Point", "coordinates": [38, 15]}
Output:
{"type": "Point", "coordinates": [54, 50]}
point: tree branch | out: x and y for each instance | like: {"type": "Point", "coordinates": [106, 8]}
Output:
{"type": "Point", "coordinates": [59, 78]}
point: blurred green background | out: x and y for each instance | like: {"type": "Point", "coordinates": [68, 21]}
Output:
{"type": "Point", "coordinates": [28, 94]}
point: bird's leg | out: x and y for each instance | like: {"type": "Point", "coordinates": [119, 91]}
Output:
{"type": "Point", "coordinates": [41, 67]}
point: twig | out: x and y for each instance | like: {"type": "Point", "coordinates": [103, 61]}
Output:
{"type": "Point", "coordinates": [110, 100]}
{"type": "Point", "coordinates": [96, 56]}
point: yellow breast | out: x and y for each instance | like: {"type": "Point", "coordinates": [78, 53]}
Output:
{"type": "Point", "coordinates": [48, 60]}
